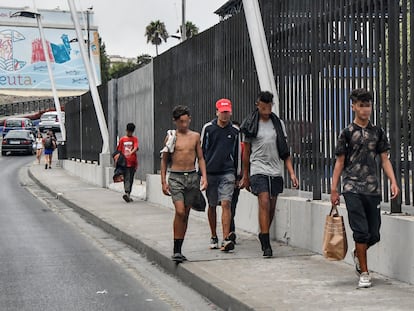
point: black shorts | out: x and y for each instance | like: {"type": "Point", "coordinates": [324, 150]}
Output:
{"type": "Point", "coordinates": [364, 215]}
{"type": "Point", "coordinates": [261, 183]}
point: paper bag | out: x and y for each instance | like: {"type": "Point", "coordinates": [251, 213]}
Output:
{"type": "Point", "coordinates": [335, 244]}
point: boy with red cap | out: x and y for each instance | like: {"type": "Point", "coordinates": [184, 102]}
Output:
{"type": "Point", "coordinates": [220, 142]}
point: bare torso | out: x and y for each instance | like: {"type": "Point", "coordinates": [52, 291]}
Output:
{"type": "Point", "coordinates": [185, 151]}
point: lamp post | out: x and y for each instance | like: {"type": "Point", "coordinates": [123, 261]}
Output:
{"type": "Point", "coordinates": [37, 16]}
{"type": "Point", "coordinates": [183, 26]}
{"type": "Point", "coordinates": [92, 86]}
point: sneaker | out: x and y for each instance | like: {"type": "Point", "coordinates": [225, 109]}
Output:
{"type": "Point", "coordinates": [126, 198]}
{"type": "Point", "coordinates": [178, 257]}
{"type": "Point", "coordinates": [267, 253]}
{"type": "Point", "coordinates": [356, 261]}
{"type": "Point", "coordinates": [364, 280]}
{"type": "Point", "coordinates": [214, 243]}
{"type": "Point", "coordinates": [232, 237]}
{"type": "Point", "coordinates": [45, 166]}
{"type": "Point", "coordinates": [227, 245]}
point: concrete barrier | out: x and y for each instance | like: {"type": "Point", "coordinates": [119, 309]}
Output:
{"type": "Point", "coordinates": [300, 221]}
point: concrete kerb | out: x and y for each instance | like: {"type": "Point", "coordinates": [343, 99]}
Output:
{"type": "Point", "coordinates": [190, 274]}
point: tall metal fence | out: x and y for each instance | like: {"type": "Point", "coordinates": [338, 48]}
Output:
{"type": "Point", "coordinates": [320, 51]}
{"type": "Point", "coordinates": [83, 136]}
{"type": "Point", "coordinates": [30, 107]}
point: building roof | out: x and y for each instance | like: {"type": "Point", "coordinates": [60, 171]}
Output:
{"type": "Point", "coordinates": [229, 9]}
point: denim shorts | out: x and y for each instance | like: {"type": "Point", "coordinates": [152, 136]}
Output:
{"type": "Point", "coordinates": [184, 186]}
{"type": "Point", "coordinates": [262, 183]}
{"type": "Point", "coordinates": [220, 188]}
{"type": "Point", "coordinates": [364, 216]}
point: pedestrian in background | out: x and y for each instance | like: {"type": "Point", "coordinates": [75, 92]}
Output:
{"type": "Point", "coordinates": [182, 149]}
{"type": "Point", "coordinates": [358, 147]}
{"type": "Point", "coordinates": [49, 145]}
{"type": "Point", "coordinates": [220, 142]}
{"type": "Point", "coordinates": [128, 146]}
{"type": "Point", "coordinates": [39, 146]}
{"type": "Point", "coordinates": [265, 152]}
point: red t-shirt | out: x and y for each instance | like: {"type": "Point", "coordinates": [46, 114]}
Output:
{"type": "Point", "coordinates": [125, 146]}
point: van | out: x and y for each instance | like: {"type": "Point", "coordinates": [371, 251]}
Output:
{"type": "Point", "coordinates": [49, 121]}
{"type": "Point", "coordinates": [14, 123]}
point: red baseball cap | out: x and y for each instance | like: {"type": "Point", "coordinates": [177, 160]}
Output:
{"type": "Point", "coordinates": [223, 105]}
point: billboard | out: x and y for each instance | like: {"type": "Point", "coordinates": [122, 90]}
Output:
{"type": "Point", "coordinates": [22, 59]}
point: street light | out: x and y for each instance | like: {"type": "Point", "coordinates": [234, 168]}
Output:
{"type": "Point", "coordinates": [92, 86]}
{"type": "Point", "coordinates": [37, 16]}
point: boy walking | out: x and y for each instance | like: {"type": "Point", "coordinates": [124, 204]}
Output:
{"type": "Point", "coordinates": [357, 149]}
{"type": "Point", "coordinates": [221, 149]}
{"type": "Point", "coordinates": [265, 147]}
{"type": "Point", "coordinates": [182, 148]}
{"type": "Point", "coordinates": [128, 146]}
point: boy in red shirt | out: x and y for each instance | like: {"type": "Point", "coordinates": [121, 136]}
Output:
{"type": "Point", "coordinates": [128, 146]}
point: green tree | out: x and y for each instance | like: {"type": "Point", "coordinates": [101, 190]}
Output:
{"type": "Point", "coordinates": [143, 59]}
{"type": "Point", "coordinates": [190, 29]}
{"type": "Point", "coordinates": [118, 70]}
{"type": "Point", "coordinates": [155, 33]}
{"type": "Point", "coordinates": [105, 63]}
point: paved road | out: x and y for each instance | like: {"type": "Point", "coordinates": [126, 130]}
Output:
{"type": "Point", "coordinates": [47, 263]}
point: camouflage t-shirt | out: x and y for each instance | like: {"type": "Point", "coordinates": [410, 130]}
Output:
{"type": "Point", "coordinates": [361, 147]}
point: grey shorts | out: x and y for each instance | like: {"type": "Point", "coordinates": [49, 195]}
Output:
{"type": "Point", "coordinates": [184, 186]}
{"type": "Point", "coordinates": [220, 188]}
{"type": "Point", "coordinates": [262, 183]}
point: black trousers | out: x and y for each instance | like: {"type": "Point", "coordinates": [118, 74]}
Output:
{"type": "Point", "coordinates": [129, 179]}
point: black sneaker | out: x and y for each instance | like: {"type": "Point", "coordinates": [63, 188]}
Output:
{"type": "Point", "coordinates": [267, 253]}
{"type": "Point", "coordinates": [232, 237]}
{"type": "Point", "coordinates": [126, 198]}
{"type": "Point", "coordinates": [45, 166]}
{"type": "Point", "coordinates": [227, 245]}
{"type": "Point", "coordinates": [178, 258]}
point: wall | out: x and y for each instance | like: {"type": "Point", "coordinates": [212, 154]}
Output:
{"type": "Point", "coordinates": [135, 103]}
{"type": "Point", "coordinates": [299, 222]}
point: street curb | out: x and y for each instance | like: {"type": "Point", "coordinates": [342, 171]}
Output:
{"type": "Point", "coordinates": [188, 273]}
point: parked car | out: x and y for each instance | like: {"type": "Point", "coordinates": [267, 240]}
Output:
{"type": "Point", "coordinates": [18, 141]}
{"type": "Point", "coordinates": [14, 123]}
{"type": "Point", "coordinates": [50, 121]}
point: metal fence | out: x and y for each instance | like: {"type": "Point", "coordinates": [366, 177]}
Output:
{"type": "Point", "coordinates": [83, 136]}
{"type": "Point", "coordinates": [34, 107]}
{"type": "Point", "coordinates": [320, 51]}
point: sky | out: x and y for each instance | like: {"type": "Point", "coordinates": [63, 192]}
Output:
{"type": "Point", "coordinates": [121, 23]}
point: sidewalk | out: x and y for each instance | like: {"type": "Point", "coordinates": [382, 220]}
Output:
{"type": "Point", "coordinates": [295, 279]}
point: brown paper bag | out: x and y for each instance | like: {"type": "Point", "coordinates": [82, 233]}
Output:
{"type": "Point", "coordinates": [335, 244]}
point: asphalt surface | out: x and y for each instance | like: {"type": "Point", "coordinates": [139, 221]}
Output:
{"type": "Point", "coordinates": [295, 279]}
{"type": "Point", "coordinates": [45, 264]}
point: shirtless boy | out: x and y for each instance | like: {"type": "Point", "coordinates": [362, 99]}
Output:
{"type": "Point", "coordinates": [184, 181]}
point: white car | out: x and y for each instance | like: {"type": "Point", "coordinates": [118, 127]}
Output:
{"type": "Point", "coordinates": [49, 121]}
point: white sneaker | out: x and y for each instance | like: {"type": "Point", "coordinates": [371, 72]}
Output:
{"type": "Point", "coordinates": [214, 243]}
{"type": "Point", "coordinates": [364, 280]}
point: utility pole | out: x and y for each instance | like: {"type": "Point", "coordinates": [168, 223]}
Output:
{"type": "Point", "coordinates": [92, 85]}
{"type": "Point", "coordinates": [183, 27]}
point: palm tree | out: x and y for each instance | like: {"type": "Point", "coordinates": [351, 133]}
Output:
{"type": "Point", "coordinates": [190, 29]}
{"type": "Point", "coordinates": [155, 33]}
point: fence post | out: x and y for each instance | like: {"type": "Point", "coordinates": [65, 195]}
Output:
{"type": "Point", "coordinates": [316, 155]}
{"type": "Point", "coordinates": [394, 95]}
